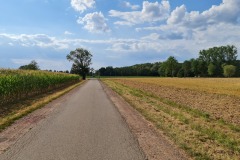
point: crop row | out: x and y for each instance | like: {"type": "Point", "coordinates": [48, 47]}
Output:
{"type": "Point", "coordinates": [19, 84]}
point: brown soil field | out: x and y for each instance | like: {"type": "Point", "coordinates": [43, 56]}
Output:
{"type": "Point", "coordinates": [204, 95]}
{"type": "Point", "coordinates": [201, 115]}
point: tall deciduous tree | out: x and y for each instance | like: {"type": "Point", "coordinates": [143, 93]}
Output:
{"type": "Point", "coordinates": [81, 61]}
{"type": "Point", "coordinates": [211, 69]}
{"type": "Point", "coordinates": [195, 67]}
{"type": "Point", "coordinates": [218, 56]}
{"type": "Point", "coordinates": [186, 66]}
{"type": "Point", "coordinates": [171, 66]}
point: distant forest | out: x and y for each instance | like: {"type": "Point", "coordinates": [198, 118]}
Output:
{"type": "Point", "coordinates": [213, 62]}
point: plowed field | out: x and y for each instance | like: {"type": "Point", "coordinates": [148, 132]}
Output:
{"type": "Point", "coordinates": [202, 116]}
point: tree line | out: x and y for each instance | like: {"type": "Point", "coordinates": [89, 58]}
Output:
{"type": "Point", "coordinates": [213, 62]}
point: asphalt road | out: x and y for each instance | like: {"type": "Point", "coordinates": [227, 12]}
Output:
{"type": "Point", "coordinates": [86, 126]}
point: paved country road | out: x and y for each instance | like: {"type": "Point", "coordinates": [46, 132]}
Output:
{"type": "Point", "coordinates": [87, 126]}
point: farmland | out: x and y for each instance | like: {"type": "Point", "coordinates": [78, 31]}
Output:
{"type": "Point", "coordinates": [200, 115]}
{"type": "Point", "coordinates": [19, 84]}
{"type": "Point", "coordinates": [23, 91]}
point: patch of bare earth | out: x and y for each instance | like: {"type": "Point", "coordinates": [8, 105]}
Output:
{"type": "Point", "coordinates": [219, 106]}
{"type": "Point", "coordinates": [153, 142]}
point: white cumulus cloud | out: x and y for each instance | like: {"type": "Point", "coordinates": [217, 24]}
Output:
{"type": "Point", "coordinates": [177, 15]}
{"type": "Point", "coordinates": [94, 22]}
{"type": "Point", "coordinates": [129, 5]}
{"type": "Point", "coordinates": [227, 12]}
{"type": "Point", "coordinates": [151, 12]}
{"type": "Point", "coordinates": [182, 24]}
{"type": "Point", "coordinates": [82, 5]}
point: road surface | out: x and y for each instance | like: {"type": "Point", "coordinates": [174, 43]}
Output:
{"type": "Point", "coordinates": [86, 126]}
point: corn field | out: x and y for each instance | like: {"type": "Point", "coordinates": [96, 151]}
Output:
{"type": "Point", "coordinates": [19, 84]}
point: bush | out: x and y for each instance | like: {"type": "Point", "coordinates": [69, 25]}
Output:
{"type": "Point", "coordinates": [229, 70]}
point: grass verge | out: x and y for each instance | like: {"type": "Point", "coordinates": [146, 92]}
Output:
{"type": "Point", "coordinates": [21, 109]}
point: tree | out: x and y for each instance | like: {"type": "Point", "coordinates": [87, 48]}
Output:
{"type": "Point", "coordinates": [102, 71]}
{"type": "Point", "coordinates": [218, 56]}
{"type": "Point", "coordinates": [230, 53]}
{"type": "Point", "coordinates": [31, 66]}
{"type": "Point", "coordinates": [75, 69]}
{"type": "Point", "coordinates": [237, 64]}
{"type": "Point", "coordinates": [162, 71]}
{"type": "Point", "coordinates": [202, 68]}
{"type": "Point", "coordinates": [211, 69]}
{"type": "Point", "coordinates": [186, 66]}
{"type": "Point", "coordinates": [229, 70]}
{"type": "Point", "coordinates": [195, 67]}
{"type": "Point", "coordinates": [109, 71]}
{"type": "Point", "coordinates": [81, 61]}
{"type": "Point", "coordinates": [154, 69]}
{"type": "Point", "coordinates": [171, 66]}
{"type": "Point", "coordinates": [181, 73]}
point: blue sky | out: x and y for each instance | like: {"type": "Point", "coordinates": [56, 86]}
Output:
{"type": "Point", "coordinates": [118, 33]}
